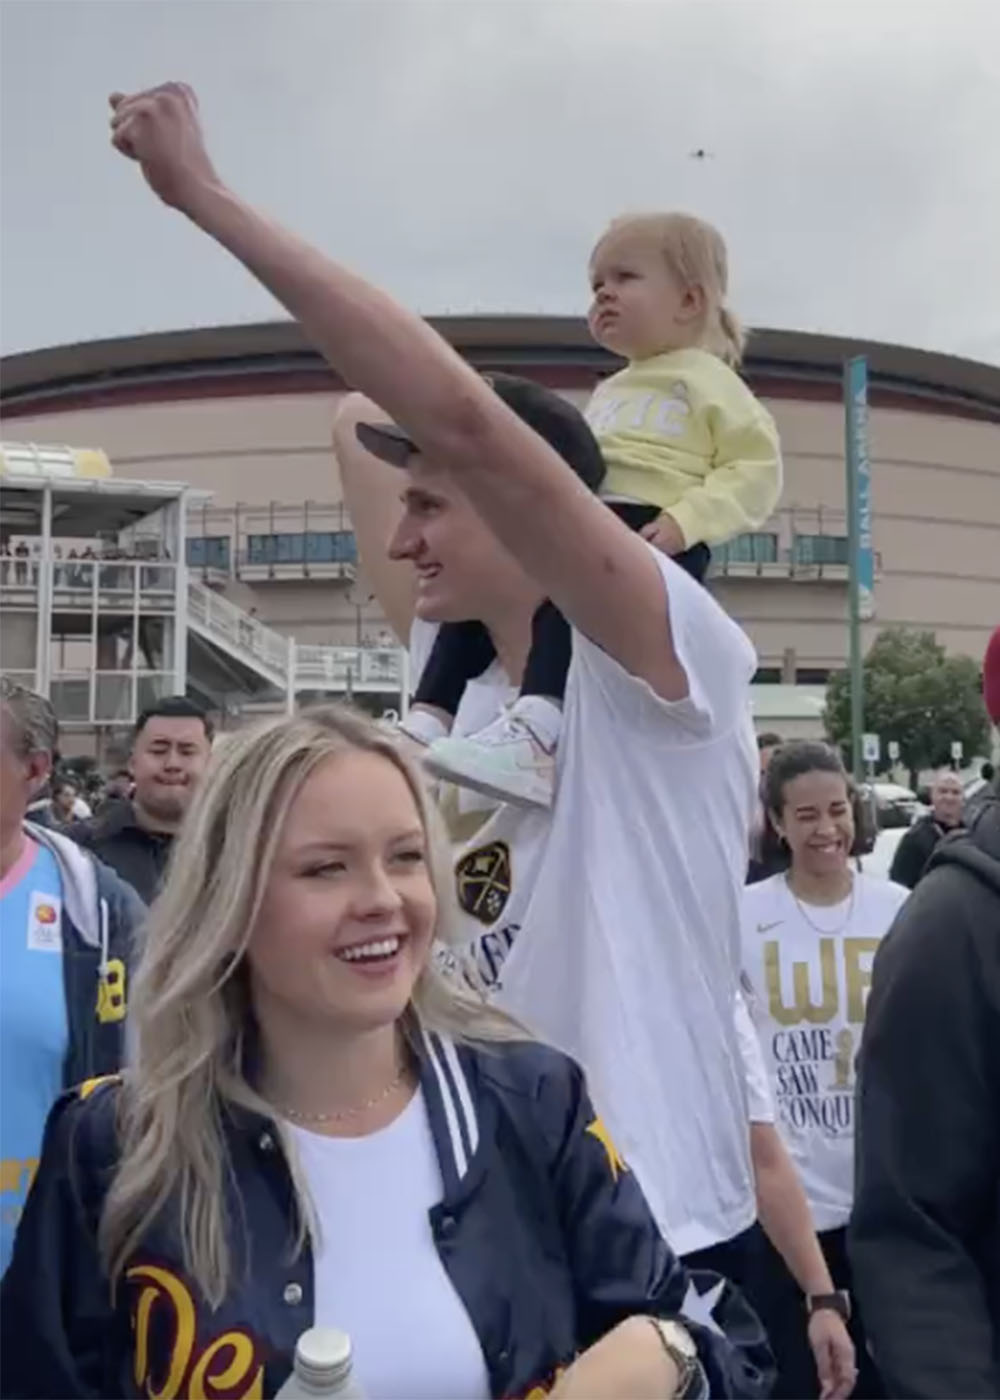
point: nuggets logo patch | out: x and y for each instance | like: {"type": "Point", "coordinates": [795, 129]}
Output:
{"type": "Point", "coordinates": [482, 879]}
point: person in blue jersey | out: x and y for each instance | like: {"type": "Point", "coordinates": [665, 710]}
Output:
{"type": "Point", "coordinates": [65, 925]}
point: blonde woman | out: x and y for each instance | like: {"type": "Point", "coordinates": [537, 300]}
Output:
{"type": "Point", "coordinates": [317, 1129]}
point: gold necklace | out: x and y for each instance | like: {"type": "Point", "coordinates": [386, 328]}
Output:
{"type": "Point", "coordinates": [818, 928]}
{"type": "Point", "coordinates": [297, 1116]}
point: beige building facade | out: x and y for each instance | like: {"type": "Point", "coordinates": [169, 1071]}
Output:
{"type": "Point", "coordinates": [244, 413]}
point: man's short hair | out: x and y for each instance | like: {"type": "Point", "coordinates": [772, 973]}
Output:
{"type": "Point", "coordinates": [173, 707]}
{"type": "Point", "coordinates": [36, 729]}
{"type": "Point", "coordinates": [768, 740]}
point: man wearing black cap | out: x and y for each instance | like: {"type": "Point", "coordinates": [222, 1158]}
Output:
{"type": "Point", "coordinates": [609, 923]}
{"type": "Point", "coordinates": [513, 759]}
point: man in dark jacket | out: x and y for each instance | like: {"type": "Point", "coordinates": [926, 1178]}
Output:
{"type": "Point", "coordinates": [917, 846]}
{"type": "Point", "coordinates": [170, 751]}
{"type": "Point", "coordinates": [67, 924]}
{"type": "Point", "coordinates": [925, 1235]}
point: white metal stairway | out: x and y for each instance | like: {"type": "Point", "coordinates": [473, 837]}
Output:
{"type": "Point", "coordinates": [285, 664]}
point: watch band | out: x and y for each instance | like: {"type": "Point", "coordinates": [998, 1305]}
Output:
{"type": "Point", "coordinates": [838, 1302]}
{"type": "Point", "coordinates": [692, 1383]}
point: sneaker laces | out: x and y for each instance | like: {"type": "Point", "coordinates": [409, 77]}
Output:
{"type": "Point", "coordinates": [514, 726]}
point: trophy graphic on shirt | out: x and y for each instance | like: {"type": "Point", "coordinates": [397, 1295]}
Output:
{"type": "Point", "coordinates": [843, 1062]}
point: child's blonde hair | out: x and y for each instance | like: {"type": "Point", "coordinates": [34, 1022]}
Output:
{"type": "Point", "coordinates": [695, 253]}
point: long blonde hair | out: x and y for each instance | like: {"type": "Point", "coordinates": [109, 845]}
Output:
{"type": "Point", "coordinates": [190, 1006]}
{"type": "Point", "coordinates": [695, 253]}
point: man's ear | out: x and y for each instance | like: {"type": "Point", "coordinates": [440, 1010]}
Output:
{"type": "Point", "coordinates": [39, 770]}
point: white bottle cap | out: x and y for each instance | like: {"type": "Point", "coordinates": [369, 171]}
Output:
{"type": "Point", "coordinates": [323, 1356]}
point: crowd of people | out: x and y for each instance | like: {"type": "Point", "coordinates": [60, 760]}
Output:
{"type": "Point", "coordinates": [73, 567]}
{"type": "Point", "coordinates": [523, 1086]}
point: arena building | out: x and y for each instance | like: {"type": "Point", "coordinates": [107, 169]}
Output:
{"type": "Point", "coordinates": [242, 414]}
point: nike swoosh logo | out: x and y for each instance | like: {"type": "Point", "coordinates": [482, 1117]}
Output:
{"type": "Point", "coordinates": [766, 928]}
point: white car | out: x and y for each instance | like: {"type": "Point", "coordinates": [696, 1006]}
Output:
{"type": "Point", "coordinates": [879, 860]}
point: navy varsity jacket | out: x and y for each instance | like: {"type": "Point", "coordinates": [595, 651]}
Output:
{"type": "Point", "coordinates": [542, 1230]}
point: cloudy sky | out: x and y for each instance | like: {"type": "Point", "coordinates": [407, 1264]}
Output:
{"type": "Point", "coordinates": [465, 154]}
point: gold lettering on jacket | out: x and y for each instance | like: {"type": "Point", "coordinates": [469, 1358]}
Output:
{"type": "Point", "coordinates": [189, 1370]}
{"type": "Point", "coordinates": [857, 980]}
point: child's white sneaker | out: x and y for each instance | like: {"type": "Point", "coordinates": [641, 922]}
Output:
{"type": "Point", "coordinates": [508, 760]}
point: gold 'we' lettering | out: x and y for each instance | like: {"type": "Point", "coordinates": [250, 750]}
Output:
{"type": "Point", "coordinates": [234, 1353]}
{"type": "Point", "coordinates": [856, 956]}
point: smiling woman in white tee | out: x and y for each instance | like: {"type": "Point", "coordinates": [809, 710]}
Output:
{"type": "Point", "coordinates": [317, 1129]}
{"type": "Point", "coordinates": [809, 938]}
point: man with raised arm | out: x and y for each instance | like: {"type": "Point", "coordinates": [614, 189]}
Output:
{"type": "Point", "coordinates": [609, 924]}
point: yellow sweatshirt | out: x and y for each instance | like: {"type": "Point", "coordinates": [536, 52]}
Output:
{"type": "Point", "coordinates": [681, 431]}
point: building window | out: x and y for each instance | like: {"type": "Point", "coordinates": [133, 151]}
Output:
{"type": "Point", "coordinates": [767, 675]}
{"type": "Point", "coordinates": [208, 552]}
{"type": "Point", "coordinates": [820, 549]}
{"type": "Point", "coordinates": [315, 547]}
{"type": "Point", "coordinates": [812, 675]}
{"type": "Point", "coordinates": [749, 549]}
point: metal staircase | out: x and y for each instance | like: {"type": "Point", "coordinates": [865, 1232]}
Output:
{"type": "Point", "coordinates": [254, 653]}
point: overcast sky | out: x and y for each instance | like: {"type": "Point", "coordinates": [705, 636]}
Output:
{"type": "Point", "coordinates": [465, 154]}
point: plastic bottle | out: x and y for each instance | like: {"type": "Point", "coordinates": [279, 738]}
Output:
{"type": "Point", "coordinates": [322, 1368]}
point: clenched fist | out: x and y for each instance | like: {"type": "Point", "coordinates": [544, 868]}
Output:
{"type": "Point", "coordinates": [160, 129]}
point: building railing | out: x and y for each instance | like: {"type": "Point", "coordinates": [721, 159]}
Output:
{"type": "Point", "coordinates": [75, 581]}
{"type": "Point", "coordinates": [302, 666]}
{"type": "Point", "coordinates": [136, 589]}
{"type": "Point", "coordinates": [266, 649]}
{"type": "Point", "coordinates": [106, 697]}
{"type": "Point", "coordinates": [319, 668]}
{"type": "Point", "coordinates": [253, 541]}
{"type": "Point", "coordinates": [797, 543]}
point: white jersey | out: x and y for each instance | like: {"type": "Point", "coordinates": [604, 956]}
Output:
{"type": "Point", "coordinates": [810, 968]}
{"type": "Point", "coordinates": [609, 925]}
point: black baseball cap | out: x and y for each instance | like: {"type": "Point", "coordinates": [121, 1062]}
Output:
{"type": "Point", "coordinates": [560, 424]}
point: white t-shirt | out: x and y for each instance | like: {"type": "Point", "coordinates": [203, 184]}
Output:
{"type": "Point", "coordinates": [810, 977]}
{"type": "Point", "coordinates": [371, 1196]}
{"type": "Point", "coordinates": [609, 925]}
{"type": "Point", "coordinates": [760, 1102]}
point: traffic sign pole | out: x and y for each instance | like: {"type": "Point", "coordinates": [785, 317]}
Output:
{"type": "Point", "coordinates": [860, 559]}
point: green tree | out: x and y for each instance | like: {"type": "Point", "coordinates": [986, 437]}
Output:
{"type": "Point", "coordinates": [916, 694]}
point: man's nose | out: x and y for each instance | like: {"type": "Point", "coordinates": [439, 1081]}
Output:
{"type": "Point", "coordinates": [405, 542]}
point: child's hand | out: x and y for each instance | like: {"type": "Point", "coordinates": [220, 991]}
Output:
{"type": "Point", "coordinates": [665, 534]}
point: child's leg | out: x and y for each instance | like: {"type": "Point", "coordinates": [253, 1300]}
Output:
{"type": "Point", "coordinates": [633, 513]}
{"type": "Point", "coordinates": [695, 561]}
{"type": "Point", "coordinates": [513, 759]}
{"type": "Point", "coordinates": [548, 661]}
{"type": "Point", "coordinates": [461, 651]}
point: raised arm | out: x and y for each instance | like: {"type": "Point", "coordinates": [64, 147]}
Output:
{"type": "Point", "coordinates": [371, 492]}
{"type": "Point", "coordinates": [604, 579]}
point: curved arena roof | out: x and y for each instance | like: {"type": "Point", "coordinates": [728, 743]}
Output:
{"type": "Point", "coordinates": [274, 357]}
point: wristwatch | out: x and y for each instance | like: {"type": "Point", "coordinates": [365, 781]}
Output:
{"type": "Point", "coordinates": [679, 1345]}
{"type": "Point", "coordinates": [838, 1302]}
